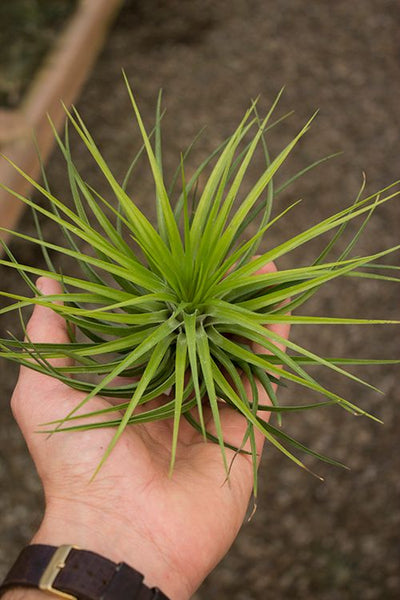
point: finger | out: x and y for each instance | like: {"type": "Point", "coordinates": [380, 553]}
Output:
{"type": "Point", "coordinates": [46, 326]}
{"type": "Point", "coordinates": [282, 329]}
{"type": "Point", "coordinates": [39, 398]}
{"type": "Point", "coordinates": [234, 424]}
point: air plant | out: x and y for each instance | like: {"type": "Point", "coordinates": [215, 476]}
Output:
{"type": "Point", "coordinates": [177, 308]}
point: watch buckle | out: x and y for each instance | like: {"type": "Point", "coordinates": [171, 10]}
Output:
{"type": "Point", "coordinates": [56, 564]}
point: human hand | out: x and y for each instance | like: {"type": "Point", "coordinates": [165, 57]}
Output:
{"type": "Point", "coordinates": [172, 529]}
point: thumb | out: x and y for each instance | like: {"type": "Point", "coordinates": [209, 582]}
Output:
{"type": "Point", "coordinates": [45, 326]}
{"type": "Point", "coordinates": [37, 397]}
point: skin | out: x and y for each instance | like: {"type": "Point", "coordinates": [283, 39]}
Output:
{"type": "Point", "coordinates": [175, 529]}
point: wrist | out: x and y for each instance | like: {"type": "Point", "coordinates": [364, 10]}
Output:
{"type": "Point", "coordinates": [25, 594]}
{"type": "Point", "coordinates": [114, 540]}
{"type": "Point", "coordinates": [71, 572]}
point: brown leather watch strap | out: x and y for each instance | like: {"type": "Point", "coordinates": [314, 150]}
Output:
{"type": "Point", "coordinates": [73, 573]}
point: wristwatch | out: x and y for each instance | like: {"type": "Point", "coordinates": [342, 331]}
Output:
{"type": "Point", "coordinates": [69, 572]}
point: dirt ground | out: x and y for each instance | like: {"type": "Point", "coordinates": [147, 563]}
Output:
{"type": "Point", "coordinates": [337, 540]}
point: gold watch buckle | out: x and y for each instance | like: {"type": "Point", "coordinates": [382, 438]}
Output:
{"type": "Point", "coordinates": [56, 564]}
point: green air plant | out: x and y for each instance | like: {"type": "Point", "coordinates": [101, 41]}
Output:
{"type": "Point", "coordinates": [178, 308]}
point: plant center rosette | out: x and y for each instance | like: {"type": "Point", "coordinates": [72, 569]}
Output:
{"type": "Point", "coordinates": [175, 320]}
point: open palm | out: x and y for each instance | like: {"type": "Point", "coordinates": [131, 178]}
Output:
{"type": "Point", "coordinates": [172, 529]}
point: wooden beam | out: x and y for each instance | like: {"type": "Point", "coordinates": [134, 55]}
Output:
{"type": "Point", "coordinates": [59, 79]}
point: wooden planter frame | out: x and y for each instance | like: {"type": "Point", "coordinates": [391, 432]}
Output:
{"type": "Point", "coordinates": [61, 77]}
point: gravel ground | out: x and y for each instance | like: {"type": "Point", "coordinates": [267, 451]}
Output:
{"type": "Point", "coordinates": [327, 541]}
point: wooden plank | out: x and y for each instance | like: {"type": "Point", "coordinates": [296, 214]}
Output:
{"type": "Point", "coordinates": [60, 78]}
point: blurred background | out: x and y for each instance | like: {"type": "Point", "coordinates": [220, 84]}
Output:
{"type": "Point", "coordinates": [28, 30]}
{"type": "Point", "coordinates": [336, 540]}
